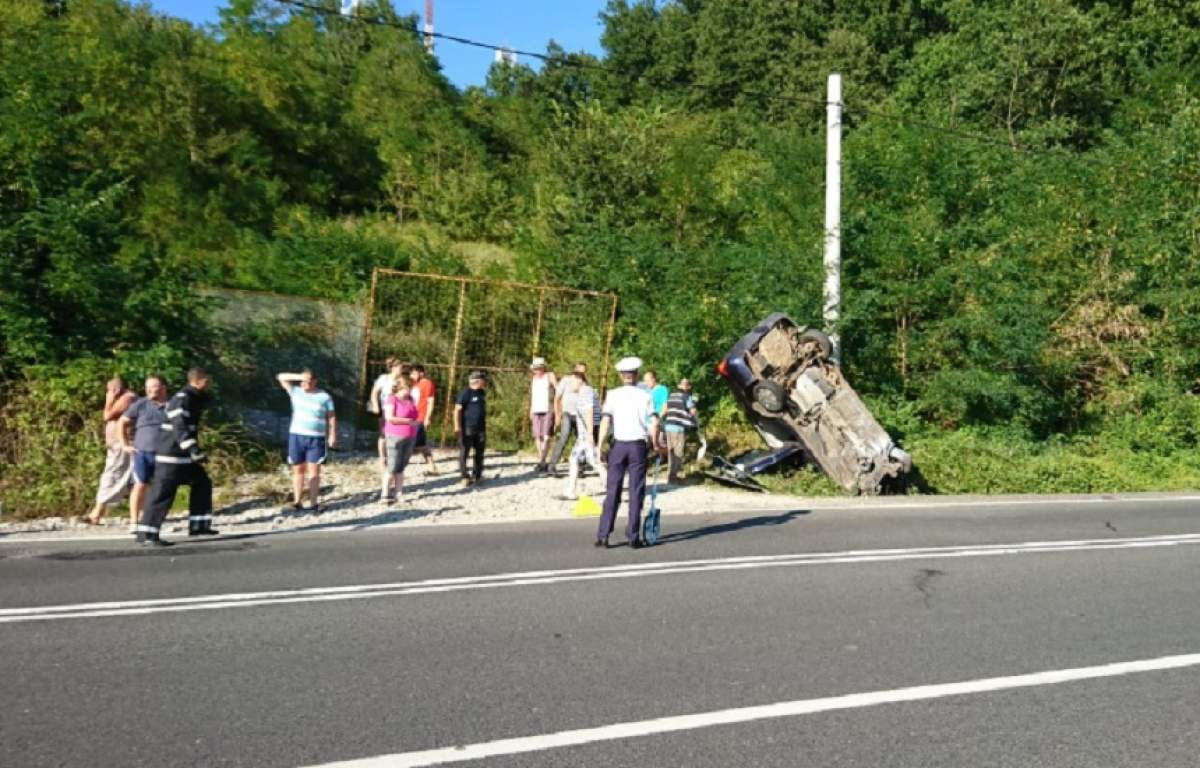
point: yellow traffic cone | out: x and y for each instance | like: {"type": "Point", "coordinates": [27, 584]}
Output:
{"type": "Point", "coordinates": [586, 507]}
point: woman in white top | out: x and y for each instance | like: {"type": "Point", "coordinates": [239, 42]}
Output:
{"type": "Point", "coordinates": [541, 408]}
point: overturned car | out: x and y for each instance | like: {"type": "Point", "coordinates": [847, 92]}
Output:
{"type": "Point", "coordinates": [795, 396]}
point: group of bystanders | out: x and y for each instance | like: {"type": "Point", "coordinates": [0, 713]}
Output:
{"type": "Point", "coordinates": [152, 442]}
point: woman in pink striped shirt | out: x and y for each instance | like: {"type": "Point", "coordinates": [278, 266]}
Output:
{"type": "Point", "coordinates": [399, 435]}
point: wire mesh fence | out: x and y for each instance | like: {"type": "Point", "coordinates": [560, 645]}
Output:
{"type": "Point", "coordinates": [259, 335]}
{"type": "Point", "coordinates": [453, 325]}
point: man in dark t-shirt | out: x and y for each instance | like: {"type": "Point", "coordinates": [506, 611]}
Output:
{"type": "Point", "coordinates": [470, 425]}
{"type": "Point", "coordinates": [145, 418]}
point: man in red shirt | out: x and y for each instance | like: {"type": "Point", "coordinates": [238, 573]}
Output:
{"type": "Point", "coordinates": [423, 394]}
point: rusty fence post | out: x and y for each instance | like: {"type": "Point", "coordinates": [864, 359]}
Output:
{"type": "Point", "coordinates": [612, 324]}
{"type": "Point", "coordinates": [537, 324]}
{"type": "Point", "coordinates": [364, 389]}
{"type": "Point", "coordinates": [450, 380]}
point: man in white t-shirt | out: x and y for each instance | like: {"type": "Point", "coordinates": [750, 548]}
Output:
{"type": "Point", "coordinates": [629, 412]}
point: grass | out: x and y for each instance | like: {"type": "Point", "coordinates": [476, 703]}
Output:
{"type": "Point", "coordinates": [979, 462]}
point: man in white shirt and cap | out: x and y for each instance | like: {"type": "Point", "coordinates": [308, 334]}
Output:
{"type": "Point", "coordinates": [629, 412]}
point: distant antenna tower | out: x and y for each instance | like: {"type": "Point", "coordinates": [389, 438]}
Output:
{"type": "Point", "coordinates": [429, 26]}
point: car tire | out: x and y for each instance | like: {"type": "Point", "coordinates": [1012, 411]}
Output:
{"type": "Point", "coordinates": [821, 340]}
{"type": "Point", "coordinates": [770, 396]}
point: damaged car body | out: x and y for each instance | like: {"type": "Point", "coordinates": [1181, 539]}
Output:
{"type": "Point", "coordinates": [784, 377]}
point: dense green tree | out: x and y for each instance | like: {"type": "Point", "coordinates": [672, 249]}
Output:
{"type": "Point", "coordinates": [1022, 186]}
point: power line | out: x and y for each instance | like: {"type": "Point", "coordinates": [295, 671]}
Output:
{"type": "Point", "coordinates": [794, 99]}
{"type": "Point", "coordinates": [545, 57]}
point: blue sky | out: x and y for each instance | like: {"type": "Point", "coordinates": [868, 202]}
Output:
{"type": "Point", "coordinates": [522, 24]}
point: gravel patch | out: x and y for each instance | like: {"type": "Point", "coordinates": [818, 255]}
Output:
{"type": "Point", "coordinates": [510, 492]}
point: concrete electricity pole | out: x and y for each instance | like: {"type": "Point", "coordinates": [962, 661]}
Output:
{"type": "Point", "coordinates": [833, 214]}
{"type": "Point", "coordinates": [429, 26]}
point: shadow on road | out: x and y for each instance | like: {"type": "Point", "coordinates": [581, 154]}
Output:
{"type": "Point", "coordinates": [733, 527]}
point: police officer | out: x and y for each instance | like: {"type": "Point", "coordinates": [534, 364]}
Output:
{"type": "Point", "coordinates": [629, 412]}
{"type": "Point", "coordinates": [178, 460]}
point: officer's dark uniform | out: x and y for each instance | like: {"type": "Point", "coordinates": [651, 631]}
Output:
{"type": "Point", "coordinates": [178, 460]}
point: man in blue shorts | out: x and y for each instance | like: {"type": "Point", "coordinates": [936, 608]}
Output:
{"type": "Point", "coordinates": [313, 430]}
{"type": "Point", "coordinates": [145, 418]}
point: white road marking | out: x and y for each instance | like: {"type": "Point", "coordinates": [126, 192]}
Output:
{"type": "Point", "coordinates": [810, 504]}
{"type": "Point", "coordinates": [634, 729]}
{"type": "Point", "coordinates": [531, 578]}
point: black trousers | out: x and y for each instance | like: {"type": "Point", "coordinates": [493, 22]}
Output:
{"type": "Point", "coordinates": [475, 441]}
{"type": "Point", "coordinates": [164, 486]}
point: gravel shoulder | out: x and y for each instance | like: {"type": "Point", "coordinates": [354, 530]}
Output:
{"type": "Point", "coordinates": [350, 483]}
{"type": "Point", "coordinates": [511, 492]}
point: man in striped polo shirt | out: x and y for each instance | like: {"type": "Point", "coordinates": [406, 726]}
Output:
{"type": "Point", "coordinates": [313, 431]}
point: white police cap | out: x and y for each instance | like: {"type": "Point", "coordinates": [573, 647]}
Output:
{"type": "Point", "coordinates": [629, 364]}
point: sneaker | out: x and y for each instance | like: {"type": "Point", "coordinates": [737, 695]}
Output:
{"type": "Point", "coordinates": [154, 541]}
{"type": "Point", "coordinates": [465, 482]}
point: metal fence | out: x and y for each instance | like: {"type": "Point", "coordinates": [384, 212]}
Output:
{"type": "Point", "coordinates": [453, 325]}
{"type": "Point", "coordinates": [259, 335]}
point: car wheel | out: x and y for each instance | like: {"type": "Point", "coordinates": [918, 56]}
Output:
{"type": "Point", "coordinates": [770, 396]}
{"type": "Point", "coordinates": [821, 340]}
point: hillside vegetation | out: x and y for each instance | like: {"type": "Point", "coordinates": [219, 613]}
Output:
{"type": "Point", "coordinates": [1021, 224]}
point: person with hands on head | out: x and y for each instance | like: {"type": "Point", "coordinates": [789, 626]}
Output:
{"type": "Point", "coordinates": [114, 480]}
{"type": "Point", "coordinates": [312, 433]}
{"type": "Point", "coordinates": [629, 412]}
{"type": "Point", "coordinates": [178, 461]}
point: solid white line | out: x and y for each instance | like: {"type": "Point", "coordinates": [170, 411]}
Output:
{"type": "Point", "coordinates": [634, 729]}
{"type": "Point", "coordinates": [530, 578]}
{"type": "Point", "coordinates": [863, 555]}
{"type": "Point", "coordinates": [814, 504]}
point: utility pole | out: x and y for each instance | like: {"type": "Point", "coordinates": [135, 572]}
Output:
{"type": "Point", "coordinates": [429, 26]}
{"type": "Point", "coordinates": [833, 213]}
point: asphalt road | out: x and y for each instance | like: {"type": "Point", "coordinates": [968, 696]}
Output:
{"type": "Point", "coordinates": [730, 613]}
